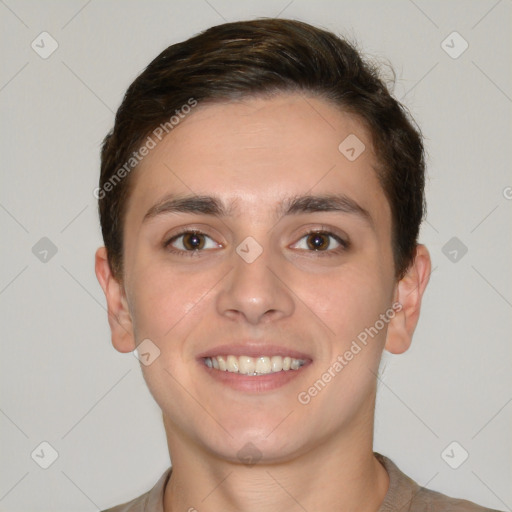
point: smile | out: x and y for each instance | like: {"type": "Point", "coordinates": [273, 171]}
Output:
{"type": "Point", "coordinates": [246, 365]}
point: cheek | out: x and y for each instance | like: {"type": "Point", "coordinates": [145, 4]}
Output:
{"type": "Point", "coordinates": [348, 300]}
{"type": "Point", "coordinates": [162, 298]}
{"type": "Point", "coordinates": [173, 306]}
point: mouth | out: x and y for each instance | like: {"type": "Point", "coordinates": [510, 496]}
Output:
{"type": "Point", "coordinates": [254, 366]}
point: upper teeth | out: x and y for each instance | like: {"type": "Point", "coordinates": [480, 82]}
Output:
{"type": "Point", "coordinates": [253, 365]}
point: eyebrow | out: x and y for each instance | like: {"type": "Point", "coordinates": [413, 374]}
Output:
{"type": "Point", "coordinates": [211, 205]}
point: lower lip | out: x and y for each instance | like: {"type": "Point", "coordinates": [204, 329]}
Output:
{"type": "Point", "coordinates": [254, 383]}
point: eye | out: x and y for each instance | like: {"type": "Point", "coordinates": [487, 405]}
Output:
{"type": "Point", "coordinates": [190, 241]}
{"type": "Point", "coordinates": [321, 241]}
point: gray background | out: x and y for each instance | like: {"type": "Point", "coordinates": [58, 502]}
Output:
{"type": "Point", "coordinates": [61, 380]}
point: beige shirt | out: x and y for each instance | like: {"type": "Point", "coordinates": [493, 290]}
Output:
{"type": "Point", "coordinates": [404, 495]}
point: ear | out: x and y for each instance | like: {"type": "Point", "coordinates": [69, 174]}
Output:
{"type": "Point", "coordinates": [408, 293]}
{"type": "Point", "coordinates": [119, 317]}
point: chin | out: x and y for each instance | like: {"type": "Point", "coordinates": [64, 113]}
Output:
{"type": "Point", "coordinates": [249, 445]}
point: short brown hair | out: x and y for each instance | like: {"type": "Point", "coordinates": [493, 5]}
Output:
{"type": "Point", "coordinates": [263, 57]}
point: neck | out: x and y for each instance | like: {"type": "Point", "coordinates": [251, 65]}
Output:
{"type": "Point", "coordinates": [340, 474]}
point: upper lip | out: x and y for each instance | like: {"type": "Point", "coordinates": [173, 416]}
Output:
{"type": "Point", "coordinates": [253, 349]}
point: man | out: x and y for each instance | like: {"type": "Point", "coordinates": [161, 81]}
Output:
{"type": "Point", "coordinates": [260, 200]}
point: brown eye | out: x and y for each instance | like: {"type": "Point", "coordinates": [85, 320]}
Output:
{"type": "Point", "coordinates": [318, 241]}
{"type": "Point", "coordinates": [193, 241]}
{"type": "Point", "coordinates": [323, 242]}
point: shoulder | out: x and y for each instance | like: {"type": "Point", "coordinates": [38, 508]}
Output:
{"type": "Point", "coordinates": [136, 505]}
{"type": "Point", "coordinates": [405, 495]}
{"type": "Point", "coordinates": [432, 501]}
{"type": "Point", "coordinates": [151, 501]}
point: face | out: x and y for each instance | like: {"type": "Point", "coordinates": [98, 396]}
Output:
{"type": "Point", "coordinates": [228, 253]}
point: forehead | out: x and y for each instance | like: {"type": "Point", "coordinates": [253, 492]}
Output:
{"type": "Point", "coordinates": [255, 152]}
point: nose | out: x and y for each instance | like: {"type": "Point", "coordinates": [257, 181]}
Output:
{"type": "Point", "coordinates": [255, 292]}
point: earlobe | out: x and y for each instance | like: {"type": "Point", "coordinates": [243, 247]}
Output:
{"type": "Point", "coordinates": [119, 317]}
{"type": "Point", "coordinates": [409, 292]}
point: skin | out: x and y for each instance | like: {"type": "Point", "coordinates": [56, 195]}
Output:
{"type": "Point", "coordinates": [258, 151]}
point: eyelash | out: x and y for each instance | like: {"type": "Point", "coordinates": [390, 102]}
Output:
{"type": "Point", "coordinates": [344, 244]}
